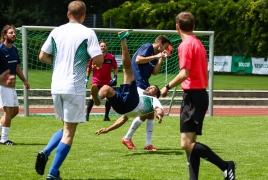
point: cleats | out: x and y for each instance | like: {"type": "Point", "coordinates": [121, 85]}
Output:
{"type": "Point", "coordinates": [150, 148]}
{"type": "Point", "coordinates": [51, 177]}
{"type": "Point", "coordinates": [129, 144]}
{"type": "Point", "coordinates": [8, 142]}
{"type": "Point", "coordinates": [106, 119]}
{"type": "Point", "coordinates": [95, 95]}
{"type": "Point", "coordinates": [41, 161]}
{"type": "Point", "coordinates": [124, 34]}
{"type": "Point", "coordinates": [229, 174]}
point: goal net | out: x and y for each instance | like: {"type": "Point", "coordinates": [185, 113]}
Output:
{"type": "Point", "coordinates": [31, 38]}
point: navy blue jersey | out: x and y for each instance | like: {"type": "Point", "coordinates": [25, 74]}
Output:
{"type": "Point", "coordinates": [9, 59]}
{"type": "Point", "coordinates": [142, 72]}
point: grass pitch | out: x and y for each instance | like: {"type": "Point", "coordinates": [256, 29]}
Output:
{"type": "Point", "coordinates": [103, 157]}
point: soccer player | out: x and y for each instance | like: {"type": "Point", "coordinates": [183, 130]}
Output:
{"type": "Point", "coordinates": [68, 47]}
{"type": "Point", "coordinates": [102, 77]}
{"type": "Point", "coordinates": [193, 77]}
{"type": "Point", "coordinates": [146, 61]}
{"type": "Point", "coordinates": [9, 62]}
{"type": "Point", "coordinates": [126, 99]}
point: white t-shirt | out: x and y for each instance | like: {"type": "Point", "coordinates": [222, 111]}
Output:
{"type": "Point", "coordinates": [72, 45]}
{"type": "Point", "coordinates": [146, 105]}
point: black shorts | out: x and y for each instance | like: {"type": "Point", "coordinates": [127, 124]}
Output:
{"type": "Point", "coordinates": [193, 110]}
{"type": "Point", "coordinates": [102, 86]}
{"type": "Point", "coordinates": [125, 99]}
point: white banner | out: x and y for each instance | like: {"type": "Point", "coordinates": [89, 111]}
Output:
{"type": "Point", "coordinates": [259, 66]}
{"type": "Point", "coordinates": [222, 63]}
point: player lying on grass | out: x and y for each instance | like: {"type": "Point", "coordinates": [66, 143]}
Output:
{"type": "Point", "coordinates": [125, 99]}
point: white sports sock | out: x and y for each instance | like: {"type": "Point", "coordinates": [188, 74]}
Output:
{"type": "Point", "coordinates": [4, 136]}
{"type": "Point", "coordinates": [149, 131]}
{"type": "Point", "coordinates": [0, 127]}
{"type": "Point", "coordinates": [134, 126]}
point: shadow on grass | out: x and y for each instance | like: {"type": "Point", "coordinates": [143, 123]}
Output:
{"type": "Point", "coordinates": [162, 151]}
{"type": "Point", "coordinates": [30, 144]}
{"type": "Point", "coordinates": [102, 179]}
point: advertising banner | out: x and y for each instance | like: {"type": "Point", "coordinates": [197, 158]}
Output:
{"type": "Point", "coordinates": [260, 66]}
{"type": "Point", "coordinates": [241, 64]}
{"type": "Point", "coordinates": [222, 63]}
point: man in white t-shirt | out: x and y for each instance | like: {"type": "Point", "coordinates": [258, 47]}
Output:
{"type": "Point", "coordinates": [68, 47]}
{"type": "Point", "coordinates": [126, 99]}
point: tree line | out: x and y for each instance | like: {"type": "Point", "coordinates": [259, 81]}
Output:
{"type": "Point", "coordinates": [240, 26]}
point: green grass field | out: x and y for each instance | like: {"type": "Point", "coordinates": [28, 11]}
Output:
{"type": "Point", "coordinates": [42, 80]}
{"type": "Point", "coordinates": [103, 157]}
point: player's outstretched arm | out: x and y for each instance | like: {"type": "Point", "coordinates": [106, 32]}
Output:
{"type": "Point", "coordinates": [116, 125]}
{"type": "Point", "coordinates": [159, 114]}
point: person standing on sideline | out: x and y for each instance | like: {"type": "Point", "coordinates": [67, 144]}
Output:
{"type": "Point", "coordinates": [68, 47]}
{"type": "Point", "coordinates": [102, 77]}
{"type": "Point", "coordinates": [146, 61]}
{"type": "Point", "coordinates": [193, 77]}
{"type": "Point", "coordinates": [9, 61]}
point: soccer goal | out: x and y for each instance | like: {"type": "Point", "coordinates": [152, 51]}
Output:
{"type": "Point", "coordinates": [31, 38]}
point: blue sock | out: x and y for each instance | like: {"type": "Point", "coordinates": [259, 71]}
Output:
{"type": "Point", "coordinates": [61, 153]}
{"type": "Point", "coordinates": [53, 142]}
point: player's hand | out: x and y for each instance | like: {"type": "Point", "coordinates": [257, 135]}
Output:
{"type": "Point", "coordinates": [159, 117]}
{"type": "Point", "coordinates": [27, 85]}
{"type": "Point", "coordinates": [161, 55]}
{"type": "Point", "coordinates": [101, 131]}
{"type": "Point", "coordinates": [165, 53]}
{"type": "Point", "coordinates": [164, 92]}
{"type": "Point", "coordinates": [86, 80]}
{"type": "Point", "coordinates": [7, 80]}
{"type": "Point", "coordinates": [114, 81]}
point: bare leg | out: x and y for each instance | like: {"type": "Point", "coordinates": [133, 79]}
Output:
{"type": "Point", "coordinates": [126, 60]}
{"type": "Point", "coordinates": [105, 91]}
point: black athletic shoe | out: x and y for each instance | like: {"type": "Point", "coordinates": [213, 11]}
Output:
{"type": "Point", "coordinates": [8, 142]}
{"type": "Point", "coordinates": [41, 161]}
{"type": "Point", "coordinates": [106, 119]}
{"type": "Point", "coordinates": [229, 174]}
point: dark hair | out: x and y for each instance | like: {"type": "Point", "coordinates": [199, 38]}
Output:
{"type": "Point", "coordinates": [158, 92]}
{"type": "Point", "coordinates": [77, 9]}
{"type": "Point", "coordinates": [186, 21]}
{"type": "Point", "coordinates": [163, 39]}
{"type": "Point", "coordinates": [4, 31]}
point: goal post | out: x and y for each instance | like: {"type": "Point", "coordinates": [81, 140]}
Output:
{"type": "Point", "coordinates": [31, 38]}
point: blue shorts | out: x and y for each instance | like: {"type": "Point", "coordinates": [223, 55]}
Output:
{"type": "Point", "coordinates": [125, 99]}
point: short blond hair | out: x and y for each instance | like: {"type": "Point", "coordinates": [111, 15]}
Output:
{"type": "Point", "coordinates": [77, 9]}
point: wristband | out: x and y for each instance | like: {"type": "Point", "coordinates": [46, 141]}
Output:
{"type": "Point", "coordinates": [87, 77]}
{"type": "Point", "coordinates": [167, 86]}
